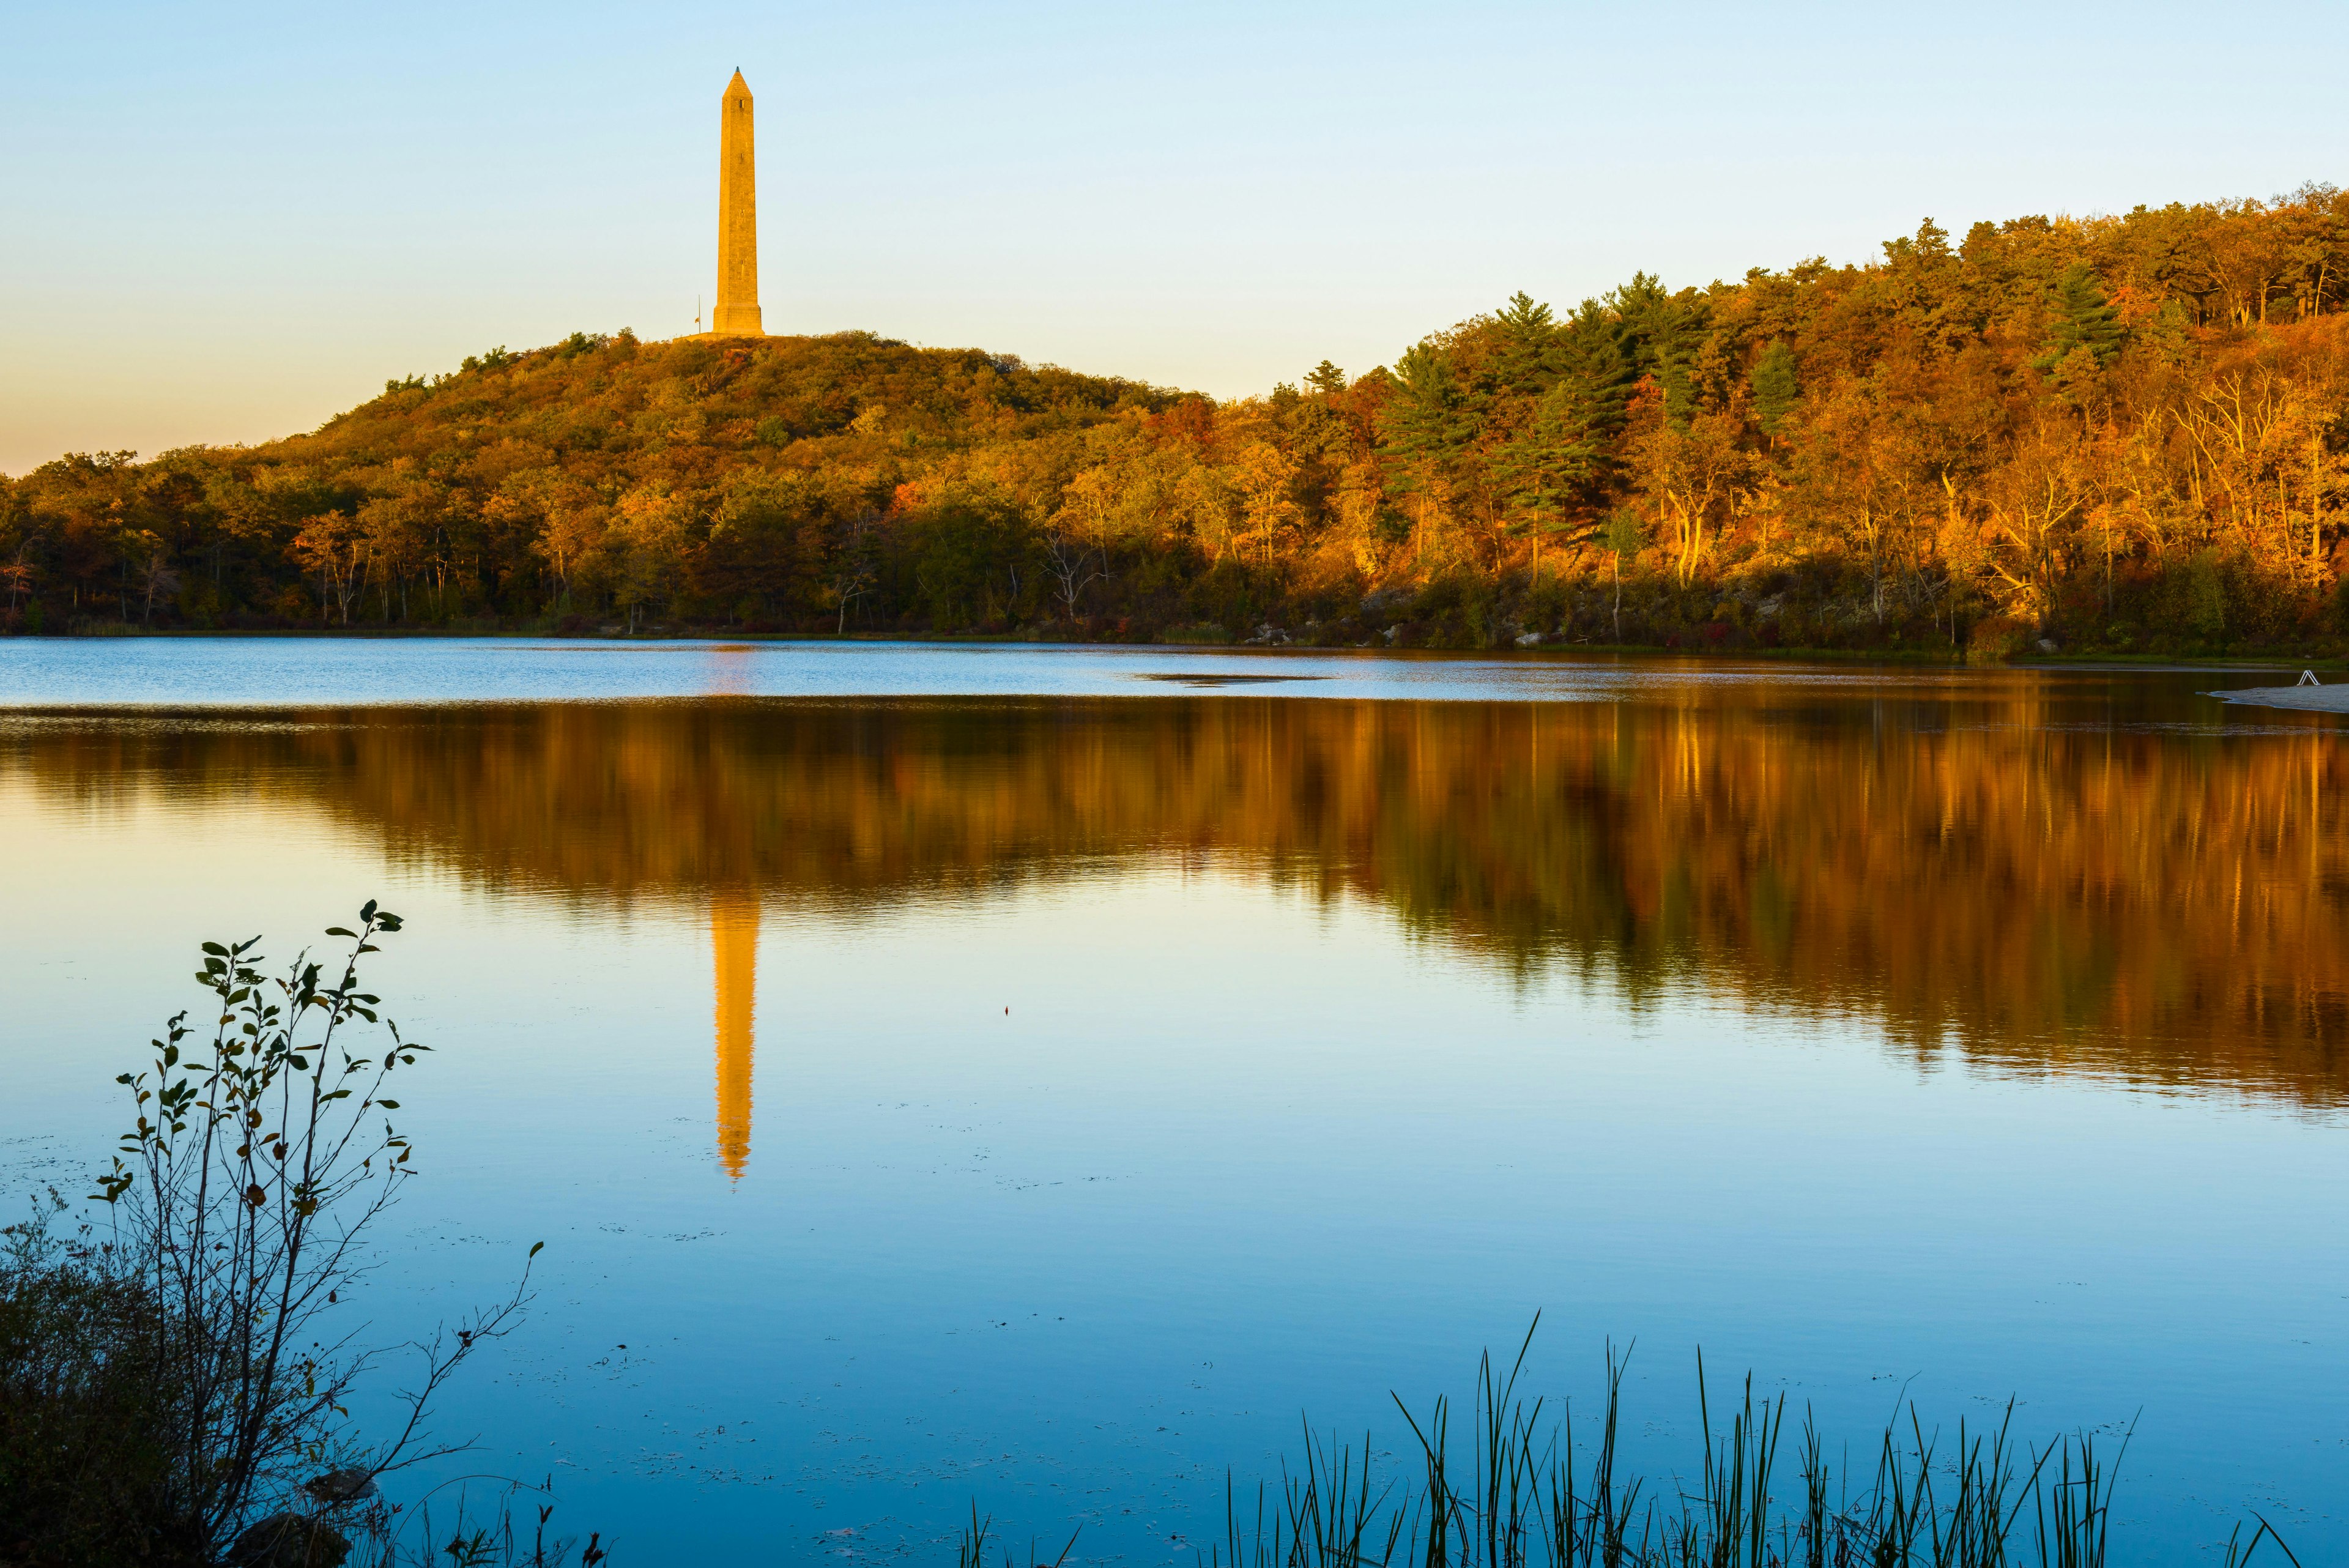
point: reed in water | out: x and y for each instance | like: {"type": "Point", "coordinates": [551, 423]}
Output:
{"type": "Point", "coordinates": [1524, 1493]}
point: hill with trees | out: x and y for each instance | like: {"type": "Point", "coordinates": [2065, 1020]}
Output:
{"type": "Point", "coordinates": [2122, 433]}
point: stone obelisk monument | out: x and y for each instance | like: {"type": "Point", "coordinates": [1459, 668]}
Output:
{"type": "Point", "coordinates": [737, 312]}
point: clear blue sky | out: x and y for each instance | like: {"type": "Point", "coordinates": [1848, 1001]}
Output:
{"type": "Point", "coordinates": [225, 223]}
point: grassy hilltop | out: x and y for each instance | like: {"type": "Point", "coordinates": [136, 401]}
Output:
{"type": "Point", "coordinates": [2122, 434]}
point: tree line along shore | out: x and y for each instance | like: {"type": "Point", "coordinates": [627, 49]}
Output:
{"type": "Point", "coordinates": [2118, 435]}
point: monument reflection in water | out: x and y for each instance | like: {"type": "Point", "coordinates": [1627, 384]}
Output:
{"type": "Point", "coordinates": [734, 940]}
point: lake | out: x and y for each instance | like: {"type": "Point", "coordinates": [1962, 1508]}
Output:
{"type": "Point", "coordinates": [1044, 1076]}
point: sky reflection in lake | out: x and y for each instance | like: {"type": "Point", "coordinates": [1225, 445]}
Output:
{"type": "Point", "coordinates": [1980, 1028]}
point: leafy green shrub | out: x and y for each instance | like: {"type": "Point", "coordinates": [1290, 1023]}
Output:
{"type": "Point", "coordinates": [173, 1393]}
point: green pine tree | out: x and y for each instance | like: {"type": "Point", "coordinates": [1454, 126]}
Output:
{"type": "Point", "coordinates": [1775, 385]}
{"type": "Point", "coordinates": [1427, 424]}
{"type": "Point", "coordinates": [1661, 332]}
{"type": "Point", "coordinates": [2084, 319]}
{"type": "Point", "coordinates": [1597, 354]}
{"type": "Point", "coordinates": [1529, 358]}
{"type": "Point", "coordinates": [1552, 456]}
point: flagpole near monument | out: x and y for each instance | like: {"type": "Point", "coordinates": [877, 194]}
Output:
{"type": "Point", "coordinates": [735, 313]}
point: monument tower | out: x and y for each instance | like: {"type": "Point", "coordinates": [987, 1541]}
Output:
{"type": "Point", "coordinates": [736, 314]}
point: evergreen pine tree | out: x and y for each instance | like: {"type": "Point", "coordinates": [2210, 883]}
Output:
{"type": "Point", "coordinates": [1550, 457]}
{"type": "Point", "coordinates": [1426, 424]}
{"type": "Point", "coordinates": [2083, 320]}
{"type": "Point", "coordinates": [1775, 385]}
{"type": "Point", "coordinates": [1661, 332]}
{"type": "Point", "coordinates": [1596, 354]}
{"type": "Point", "coordinates": [1529, 358]}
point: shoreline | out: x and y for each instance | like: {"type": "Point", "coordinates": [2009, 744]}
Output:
{"type": "Point", "coordinates": [2281, 659]}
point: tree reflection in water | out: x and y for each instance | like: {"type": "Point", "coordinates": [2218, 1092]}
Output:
{"type": "Point", "coordinates": [2043, 881]}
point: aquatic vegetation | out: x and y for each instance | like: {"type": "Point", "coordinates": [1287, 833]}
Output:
{"type": "Point", "coordinates": [1525, 1494]}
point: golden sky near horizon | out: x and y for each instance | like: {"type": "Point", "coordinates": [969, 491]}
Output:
{"type": "Point", "coordinates": [227, 227]}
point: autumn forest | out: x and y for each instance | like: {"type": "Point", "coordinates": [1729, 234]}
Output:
{"type": "Point", "coordinates": [2118, 434]}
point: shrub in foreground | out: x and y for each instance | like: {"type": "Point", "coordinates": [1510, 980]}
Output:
{"type": "Point", "coordinates": [176, 1390]}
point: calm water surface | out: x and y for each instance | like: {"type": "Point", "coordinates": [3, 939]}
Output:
{"type": "Point", "coordinates": [1039, 1074]}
